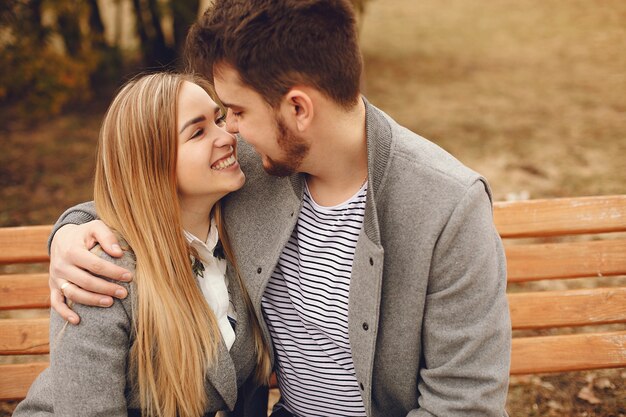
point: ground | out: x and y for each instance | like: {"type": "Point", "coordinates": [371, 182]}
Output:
{"type": "Point", "coordinates": [531, 94]}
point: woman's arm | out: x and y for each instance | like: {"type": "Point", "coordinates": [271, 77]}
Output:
{"type": "Point", "coordinates": [74, 234]}
{"type": "Point", "coordinates": [88, 366]}
{"type": "Point", "coordinates": [89, 362]}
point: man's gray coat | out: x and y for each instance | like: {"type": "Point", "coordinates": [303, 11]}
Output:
{"type": "Point", "coordinates": [428, 316]}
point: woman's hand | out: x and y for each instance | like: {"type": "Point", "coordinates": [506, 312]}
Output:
{"type": "Point", "coordinates": [73, 266]}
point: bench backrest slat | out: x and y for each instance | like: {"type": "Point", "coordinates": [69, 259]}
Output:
{"type": "Point", "coordinates": [566, 260]}
{"type": "Point", "coordinates": [24, 336]}
{"type": "Point", "coordinates": [580, 215]}
{"type": "Point", "coordinates": [17, 379]}
{"type": "Point", "coordinates": [548, 309]}
{"type": "Point", "coordinates": [577, 352]}
{"type": "Point", "coordinates": [21, 291]}
{"type": "Point", "coordinates": [24, 244]}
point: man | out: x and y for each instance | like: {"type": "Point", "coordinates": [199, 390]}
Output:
{"type": "Point", "coordinates": [370, 252]}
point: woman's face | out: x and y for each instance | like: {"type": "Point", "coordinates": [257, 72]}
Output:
{"type": "Point", "coordinates": [207, 167]}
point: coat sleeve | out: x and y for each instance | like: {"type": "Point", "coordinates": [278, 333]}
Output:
{"type": "Point", "coordinates": [88, 362]}
{"type": "Point", "coordinates": [466, 328]}
{"type": "Point", "coordinates": [79, 214]}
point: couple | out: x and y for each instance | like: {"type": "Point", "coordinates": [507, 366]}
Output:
{"type": "Point", "coordinates": [365, 269]}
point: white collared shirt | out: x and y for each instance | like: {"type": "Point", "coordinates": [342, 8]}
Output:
{"type": "Point", "coordinates": [214, 283]}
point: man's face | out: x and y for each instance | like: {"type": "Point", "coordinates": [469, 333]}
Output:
{"type": "Point", "coordinates": [249, 115]}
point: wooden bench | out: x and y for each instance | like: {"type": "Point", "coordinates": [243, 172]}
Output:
{"type": "Point", "coordinates": [556, 328]}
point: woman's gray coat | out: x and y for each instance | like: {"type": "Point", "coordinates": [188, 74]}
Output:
{"type": "Point", "coordinates": [90, 374]}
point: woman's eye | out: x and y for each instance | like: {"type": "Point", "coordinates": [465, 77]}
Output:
{"type": "Point", "coordinates": [220, 120]}
{"type": "Point", "coordinates": [197, 133]}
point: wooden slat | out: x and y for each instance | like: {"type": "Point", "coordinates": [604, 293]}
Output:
{"type": "Point", "coordinates": [565, 260]}
{"type": "Point", "coordinates": [20, 291]}
{"type": "Point", "coordinates": [560, 216]}
{"type": "Point", "coordinates": [24, 244]}
{"type": "Point", "coordinates": [538, 310]}
{"type": "Point", "coordinates": [17, 378]}
{"type": "Point", "coordinates": [533, 355]}
{"type": "Point", "coordinates": [24, 336]}
{"type": "Point", "coordinates": [529, 355]}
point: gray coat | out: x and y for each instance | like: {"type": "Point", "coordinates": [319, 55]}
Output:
{"type": "Point", "coordinates": [90, 374]}
{"type": "Point", "coordinates": [428, 317]}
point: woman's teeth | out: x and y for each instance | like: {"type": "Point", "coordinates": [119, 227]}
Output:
{"type": "Point", "coordinates": [225, 163]}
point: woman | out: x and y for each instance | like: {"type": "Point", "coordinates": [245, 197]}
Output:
{"type": "Point", "coordinates": [186, 338]}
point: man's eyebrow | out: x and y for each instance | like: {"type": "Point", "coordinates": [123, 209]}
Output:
{"type": "Point", "coordinates": [191, 122]}
{"type": "Point", "coordinates": [230, 105]}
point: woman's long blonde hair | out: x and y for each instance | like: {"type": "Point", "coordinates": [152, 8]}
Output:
{"type": "Point", "coordinates": [135, 192]}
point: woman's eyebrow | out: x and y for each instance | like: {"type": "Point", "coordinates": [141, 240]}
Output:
{"type": "Point", "coordinates": [191, 122]}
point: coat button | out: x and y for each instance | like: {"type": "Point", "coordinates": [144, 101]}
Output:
{"type": "Point", "coordinates": [361, 386]}
{"type": "Point", "coordinates": [259, 270]}
{"type": "Point", "coordinates": [365, 326]}
{"type": "Point", "coordinates": [372, 261]}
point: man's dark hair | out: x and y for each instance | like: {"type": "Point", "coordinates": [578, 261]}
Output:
{"type": "Point", "coordinates": [277, 44]}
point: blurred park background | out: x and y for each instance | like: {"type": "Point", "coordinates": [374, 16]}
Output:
{"type": "Point", "coordinates": [530, 93]}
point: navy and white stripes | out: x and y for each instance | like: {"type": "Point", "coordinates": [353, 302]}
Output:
{"type": "Point", "coordinates": [306, 308]}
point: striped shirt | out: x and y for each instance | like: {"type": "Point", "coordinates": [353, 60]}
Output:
{"type": "Point", "coordinates": [305, 305]}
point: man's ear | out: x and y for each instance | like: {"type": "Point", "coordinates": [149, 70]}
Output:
{"type": "Point", "coordinates": [298, 108]}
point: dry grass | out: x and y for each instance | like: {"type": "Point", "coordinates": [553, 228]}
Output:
{"type": "Point", "coordinates": [532, 94]}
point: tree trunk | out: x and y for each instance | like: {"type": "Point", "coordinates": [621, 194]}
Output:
{"type": "Point", "coordinates": [144, 42]}
{"type": "Point", "coordinates": [184, 13]}
{"type": "Point", "coordinates": [162, 54]}
{"type": "Point", "coordinates": [95, 25]}
{"type": "Point", "coordinates": [34, 11]}
{"type": "Point", "coordinates": [68, 26]}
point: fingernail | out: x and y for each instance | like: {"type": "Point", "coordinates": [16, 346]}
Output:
{"type": "Point", "coordinates": [73, 319]}
{"type": "Point", "coordinates": [116, 247]}
{"type": "Point", "coordinates": [127, 276]}
{"type": "Point", "coordinates": [120, 293]}
{"type": "Point", "coordinates": [105, 302]}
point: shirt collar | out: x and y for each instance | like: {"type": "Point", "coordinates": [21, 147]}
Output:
{"type": "Point", "coordinates": [205, 249]}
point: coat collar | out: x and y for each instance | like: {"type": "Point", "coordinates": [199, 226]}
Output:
{"type": "Point", "coordinates": [378, 136]}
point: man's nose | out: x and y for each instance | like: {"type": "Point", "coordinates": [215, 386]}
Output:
{"type": "Point", "coordinates": [231, 122]}
{"type": "Point", "coordinates": [223, 139]}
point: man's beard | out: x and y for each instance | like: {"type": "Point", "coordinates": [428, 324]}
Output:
{"type": "Point", "coordinates": [294, 150]}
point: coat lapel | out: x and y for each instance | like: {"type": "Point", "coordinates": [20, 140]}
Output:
{"type": "Point", "coordinates": [367, 267]}
{"type": "Point", "coordinates": [223, 375]}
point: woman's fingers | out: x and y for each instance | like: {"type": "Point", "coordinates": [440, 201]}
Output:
{"type": "Point", "coordinates": [57, 301]}
{"type": "Point", "coordinates": [76, 273]}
